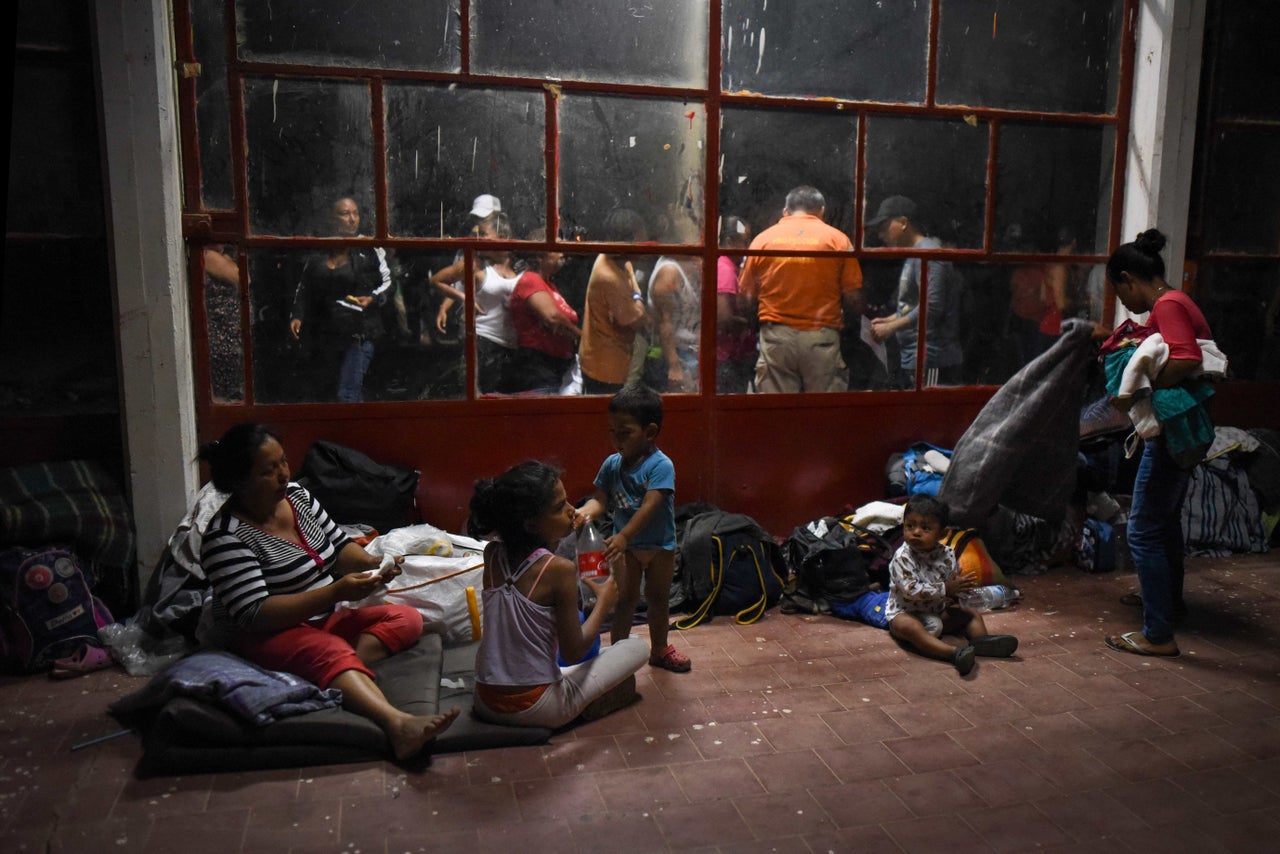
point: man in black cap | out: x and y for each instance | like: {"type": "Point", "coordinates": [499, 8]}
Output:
{"type": "Point", "coordinates": [896, 223]}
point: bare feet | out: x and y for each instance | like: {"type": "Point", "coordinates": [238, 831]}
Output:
{"type": "Point", "coordinates": [411, 733]}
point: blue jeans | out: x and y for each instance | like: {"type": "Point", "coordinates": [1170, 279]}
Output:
{"type": "Point", "coordinates": [1155, 537]}
{"type": "Point", "coordinates": [355, 363]}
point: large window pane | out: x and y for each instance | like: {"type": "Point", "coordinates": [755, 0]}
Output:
{"type": "Point", "coordinates": [765, 153]}
{"type": "Point", "coordinates": [866, 50]}
{"type": "Point", "coordinates": [390, 351]}
{"type": "Point", "coordinates": [1243, 205]}
{"type": "Point", "coordinates": [213, 124]}
{"type": "Point", "coordinates": [1056, 55]}
{"type": "Point", "coordinates": [631, 169]}
{"type": "Point", "coordinates": [1053, 188]}
{"type": "Point", "coordinates": [310, 144]}
{"type": "Point", "coordinates": [422, 35]}
{"type": "Point", "coordinates": [1241, 301]}
{"type": "Point", "coordinates": [446, 146]}
{"type": "Point", "coordinates": [655, 42]}
{"type": "Point", "coordinates": [939, 164]}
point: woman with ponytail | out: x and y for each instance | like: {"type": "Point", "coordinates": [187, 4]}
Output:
{"type": "Point", "coordinates": [1136, 272]}
{"type": "Point", "coordinates": [279, 567]}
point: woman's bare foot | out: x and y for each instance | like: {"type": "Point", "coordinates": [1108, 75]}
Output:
{"type": "Point", "coordinates": [411, 733]}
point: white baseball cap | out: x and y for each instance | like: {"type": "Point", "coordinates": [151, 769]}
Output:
{"type": "Point", "coordinates": [485, 205]}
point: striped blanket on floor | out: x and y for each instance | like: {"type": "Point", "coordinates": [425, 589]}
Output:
{"type": "Point", "coordinates": [74, 503]}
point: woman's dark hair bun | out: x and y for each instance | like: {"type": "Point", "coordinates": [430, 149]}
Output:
{"type": "Point", "coordinates": [208, 451]}
{"type": "Point", "coordinates": [1151, 241]}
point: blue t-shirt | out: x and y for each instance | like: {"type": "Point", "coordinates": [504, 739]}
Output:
{"type": "Point", "coordinates": [625, 491]}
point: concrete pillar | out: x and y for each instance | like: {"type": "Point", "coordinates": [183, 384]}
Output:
{"type": "Point", "coordinates": [140, 137]}
{"type": "Point", "coordinates": [1162, 130]}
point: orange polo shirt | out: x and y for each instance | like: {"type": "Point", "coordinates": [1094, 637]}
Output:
{"type": "Point", "coordinates": [803, 293]}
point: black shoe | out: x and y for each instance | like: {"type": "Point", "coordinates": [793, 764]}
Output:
{"type": "Point", "coordinates": [963, 660]}
{"type": "Point", "coordinates": [995, 646]}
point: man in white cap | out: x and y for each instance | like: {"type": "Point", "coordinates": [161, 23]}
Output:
{"type": "Point", "coordinates": [484, 205]}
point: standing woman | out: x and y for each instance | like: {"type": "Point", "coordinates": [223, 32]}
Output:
{"type": "Point", "coordinates": [339, 300]}
{"type": "Point", "coordinates": [1136, 271]}
{"type": "Point", "coordinates": [279, 566]}
{"type": "Point", "coordinates": [546, 325]}
{"type": "Point", "coordinates": [735, 328]}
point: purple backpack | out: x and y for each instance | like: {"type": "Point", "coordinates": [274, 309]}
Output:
{"type": "Point", "coordinates": [46, 608]}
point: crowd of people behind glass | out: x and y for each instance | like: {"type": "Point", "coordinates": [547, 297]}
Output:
{"type": "Point", "coordinates": [368, 323]}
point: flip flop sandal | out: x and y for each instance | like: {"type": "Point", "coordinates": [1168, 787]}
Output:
{"type": "Point", "coordinates": [1137, 644]}
{"type": "Point", "coordinates": [1133, 600]}
{"type": "Point", "coordinates": [86, 659]}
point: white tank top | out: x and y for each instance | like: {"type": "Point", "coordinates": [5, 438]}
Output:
{"type": "Point", "coordinates": [493, 298]}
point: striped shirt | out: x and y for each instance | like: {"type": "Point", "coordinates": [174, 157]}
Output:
{"type": "Point", "coordinates": [245, 565]}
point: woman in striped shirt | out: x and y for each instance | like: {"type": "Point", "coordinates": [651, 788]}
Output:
{"type": "Point", "coordinates": [279, 565]}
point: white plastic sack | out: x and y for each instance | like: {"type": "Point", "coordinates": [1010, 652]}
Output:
{"type": "Point", "coordinates": [431, 553]}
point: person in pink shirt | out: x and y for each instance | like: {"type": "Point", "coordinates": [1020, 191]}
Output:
{"type": "Point", "coordinates": [735, 328]}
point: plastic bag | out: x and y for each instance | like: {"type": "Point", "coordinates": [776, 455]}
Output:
{"type": "Point", "coordinates": [140, 653]}
{"type": "Point", "coordinates": [437, 570]}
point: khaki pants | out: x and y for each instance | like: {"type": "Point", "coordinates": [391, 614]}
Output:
{"type": "Point", "coordinates": [793, 360]}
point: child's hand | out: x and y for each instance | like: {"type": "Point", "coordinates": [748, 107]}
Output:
{"type": "Point", "coordinates": [958, 584]}
{"type": "Point", "coordinates": [615, 547]}
{"type": "Point", "coordinates": [580, 519]}
{"type": "Point", "coordinates": [606, 590]}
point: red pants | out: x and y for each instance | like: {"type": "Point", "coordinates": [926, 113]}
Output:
{"type": "Point", "coordinates": [320, 653]}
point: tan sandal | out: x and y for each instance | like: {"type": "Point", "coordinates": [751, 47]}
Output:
{"type": "Point", "coordinates": [1136, 643]}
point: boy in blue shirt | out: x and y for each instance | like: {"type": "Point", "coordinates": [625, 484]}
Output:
{"type": "Point", "coordinates": [637, 484]}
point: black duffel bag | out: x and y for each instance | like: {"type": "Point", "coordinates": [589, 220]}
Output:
{"type": "Point", "coordinates": [356, 490]}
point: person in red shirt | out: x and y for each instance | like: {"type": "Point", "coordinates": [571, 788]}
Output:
{"type": "Point", "coordinates": [802, 301]}
{"type": "Point", "coordinates": [546, 325]}
{"type": "Point", "coordinates": [1136, 271]}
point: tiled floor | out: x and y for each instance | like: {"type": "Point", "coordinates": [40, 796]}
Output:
{"type": "Point", "coordinates": [794, 734]}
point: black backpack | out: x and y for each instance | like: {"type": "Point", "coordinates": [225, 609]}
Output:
{"type": "Point", "coordinates": [356, 490]}
{"type": "Point", "coordinates": [728, 564]}
{"type": "Point", "coordinates": [834, 562]}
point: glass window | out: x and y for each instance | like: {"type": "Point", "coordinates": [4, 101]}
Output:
{"type": "Point", "coordinates": [765, 153]}
{"type": "Point", "coordinates": [866, 50]}
{"type": "Point", "coordinates": [1053, 55]}
{"type": "Point", "coordinates": [1243, 191]}
{"type": "Point", "coordinates": [422, 35]}
{"type": "Point", "coordinates": [940, 165]}
{"type": "Point", "coordinates": [652, 42]}
{"type": "Point", "coordinates": [213, 124]}
{"type": "Point", "coordinates": [350, 324]}
{"type": "Point", "coordinates": [310, 144]}
{"type": "Point", "coordinates": [447, 146]}
{"type": "Point", "coordinates": [631, 169]}
{"type": "Point", "coordinates": [1053, 188]}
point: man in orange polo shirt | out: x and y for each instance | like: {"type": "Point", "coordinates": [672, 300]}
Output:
{"type": "Point", "coordinates": [802, 301]}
